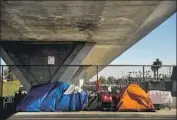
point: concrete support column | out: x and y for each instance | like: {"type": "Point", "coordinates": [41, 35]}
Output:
{"type": "Point", "coordinates": [15, 69]}
{"type": "Point", "coordinates": [69, 59]}
{"type": "Point", "coordinates": [79, 74]}
{"type": "Point", "coordinates": [70, 71]}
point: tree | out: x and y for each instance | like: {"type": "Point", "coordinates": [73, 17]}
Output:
{"type": "Point", "coordinates": [111, 80]}
{"type": "Point", "coordinates": [118, 82]}
{"type": "Point", "coordinates": [8, 75]}
{"type": "Point", "coordinates": [157, 65]}
{"type": "Point", "coordinates": [102, 80]}
{"type": "Point", "coordinates": [5, 72]}
{"type": "Point", "coordinates": [153, 68]}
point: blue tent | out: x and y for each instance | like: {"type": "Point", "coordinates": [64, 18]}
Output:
{"type": "Point", "coordinates": [51, 97]}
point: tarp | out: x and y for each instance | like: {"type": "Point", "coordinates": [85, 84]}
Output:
{"type": "Point", "coordinates": [134, 98]}
{"type": "Point", "coordinates": [93, 103]}
{"type": "Point", "coordinates": [51, 97]}
{"type": "Point", "coordinates": [10, 87]}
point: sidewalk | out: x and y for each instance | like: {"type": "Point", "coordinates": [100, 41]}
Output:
{"type": "Point", "coordinates": [95, 115]}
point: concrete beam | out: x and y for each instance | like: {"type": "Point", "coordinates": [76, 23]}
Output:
{"type": "Point", "coordinates": [70, 71]}
{"type": "Point", "coordinates": [15, 69]}
{"type": "Point", "coordinates": [69, 59]}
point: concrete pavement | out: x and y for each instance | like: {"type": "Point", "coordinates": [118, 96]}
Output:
{"type": "Point", "coordinates": [160, 115]}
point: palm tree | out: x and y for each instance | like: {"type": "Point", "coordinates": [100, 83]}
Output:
{"type": "Point", "coordinates": [153, 68]}
{"type": "Point", "coordinates": [157, 65]}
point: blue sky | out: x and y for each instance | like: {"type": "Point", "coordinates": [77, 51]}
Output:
{"type": "Point", "coordinates": [160, 43]}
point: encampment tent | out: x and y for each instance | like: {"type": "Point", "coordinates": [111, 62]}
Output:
{"type": "Point", "coordinates": [57, 96]}
{"type": "Point", "coordinates": [134, 98]}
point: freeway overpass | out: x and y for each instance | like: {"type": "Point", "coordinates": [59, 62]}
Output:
{"type": "Point", "coordinates": [73, 32]}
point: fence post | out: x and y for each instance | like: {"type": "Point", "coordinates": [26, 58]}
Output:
{"type": "Point", "coordinates": [143, 78]}
{"type": "Point", "coordinates": [97, 72]}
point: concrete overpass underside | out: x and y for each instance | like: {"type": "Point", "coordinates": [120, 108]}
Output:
{"type": "Point", "coordinates": [75, 32]}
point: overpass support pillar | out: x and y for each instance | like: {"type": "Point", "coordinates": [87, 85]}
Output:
{"type": "Point", "coordinates": [72, 71]}
{"type": "Point", "coordinates": [79, 74]}
{"type": "Point", "coordinates": [23, 56]}
{"type": "Point", "coordinates": [15, 69]}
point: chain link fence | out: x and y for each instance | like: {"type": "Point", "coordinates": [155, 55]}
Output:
{"type": "Point", "coordinates": [15, 77]}
{"type": "Point", "coordinates": [116, 76]}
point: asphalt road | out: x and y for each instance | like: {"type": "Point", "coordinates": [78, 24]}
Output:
{"type": "Point", "coordinates": [159, 115]}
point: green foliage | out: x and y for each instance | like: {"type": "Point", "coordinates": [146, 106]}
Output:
{"type": "Point", "coordinates": [103, 80]}
{"type": "Point", "coordinates": [8, 74]}
{"type": "Point", "coordinates": [111, 80]}
{"type": "Point", "coordinates": [155, 68]}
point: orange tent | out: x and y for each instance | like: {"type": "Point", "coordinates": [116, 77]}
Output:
{"type": "Point", "coordinates": [134, 98]}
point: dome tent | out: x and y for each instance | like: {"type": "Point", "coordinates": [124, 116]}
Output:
{"type": "Point", "coordinates": [134, 98]}
{"type": "Point", "coordinates": [52, 97]}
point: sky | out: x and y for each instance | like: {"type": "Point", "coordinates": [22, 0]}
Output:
{"type": "Point", "coordinates": [159, 43]}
